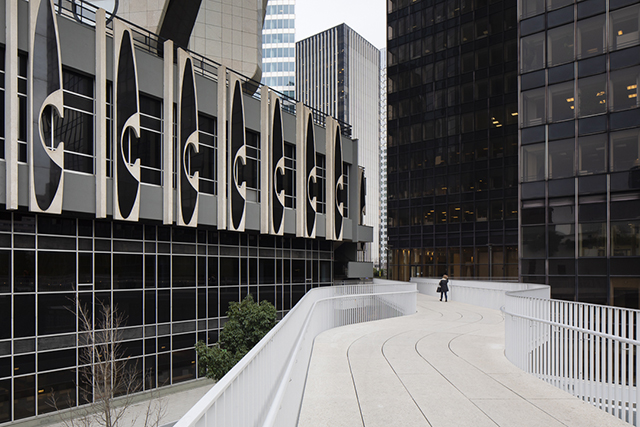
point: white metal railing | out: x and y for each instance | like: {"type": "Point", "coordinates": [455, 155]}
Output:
{"type": "Point", "coordinates": [265, 388]}
{"type": "Point", "coordinates": [590, 351]}
{"type": "Point", "coordinates": [483, 294]}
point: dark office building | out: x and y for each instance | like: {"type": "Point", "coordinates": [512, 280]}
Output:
{"type": "Point", "coordinates": [452, 138]}
{"type": "Point", "coordinates": [580, 138]}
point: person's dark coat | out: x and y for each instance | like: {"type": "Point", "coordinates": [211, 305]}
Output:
{"type": "Point", "coordinates": [444, 285]}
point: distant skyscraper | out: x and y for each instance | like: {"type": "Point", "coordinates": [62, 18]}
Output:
{"type": "Point", "coordinates": [338, 72]}
{"type": "Point", "coordinates": [383, 158]}
{"type": "Point", "coordinates": [278, 47]}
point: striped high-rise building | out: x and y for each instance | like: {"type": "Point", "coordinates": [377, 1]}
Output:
{"type": "Point", "coordinates": [278, 46]}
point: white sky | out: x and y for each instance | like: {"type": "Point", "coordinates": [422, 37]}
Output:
{"type": "Point", "coordinates": [367, 17]}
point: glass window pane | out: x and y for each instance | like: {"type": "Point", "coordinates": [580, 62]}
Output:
{"type": "Point", "coordinates": [624, 150]}
{"type": "Point", "coordinates": [592, 154]}
{"type": "Point", "coordinates": [531, 7]}
{"type": "Point", "coordinates": [533, 242]}
{"type": "Point", "coordinates": [592, 239]}
{"type": "Point", "coordinates": [561, 154]}
{"type": "Point", "coordinates": [561, 214]}
{"type": "Point", "coordinates": [625, 238]}
{"type": "Point", "coordinates": [561, 240]}
{"type": "Point", "coordinates": [532, 52]}
{"type": "Point", "coordinates": [561, 102]}
{"type": "Point", "coordinates": [624, 27]}
{"type": "Point", "coordinates": [533, 107]}
{"type": "Point", "coordinates": [592, 95]}
{"type": "Point", "coordinates": [555, 4]}
{"type": "Point", "coordinates": [533, 162]}
{"type": "Point", "coordinates": [560, 45]}
{"type": "Point", "coordinates": [623, 86]}
{"type": "Point", "coordinates": [591, 36]}
{"type": "Point", "coordinates": [56, 271]}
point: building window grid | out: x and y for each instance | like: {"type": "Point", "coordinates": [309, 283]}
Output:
{"type": "Point", "coordinates": [148, 360]}
{"type": "Point", "coordinates": [290, 176]}
{"type": "Point", "coordinates": [22, 102]}
{"type": "Point", "coordinates": [150, 146]}
{"type": "Point", "coordinates": [72, 129]}
{"type": "Point", "coordinates": [321, 179]}
{"type": "Point", "coordinates": [495, 147]}
{"type": "Point", "coordinates": [208, 142]}
{"type": "Point", "coordinates": [345, 189]}
{"type": "Point", "coordinates": [253, 166]}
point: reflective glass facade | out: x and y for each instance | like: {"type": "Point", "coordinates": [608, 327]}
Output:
{"type": "Point", "coordinates": [174, 285]}
{"type": "Point", "coordinates": [452, 159]}
{"type": "Point", "coordinates": [580, 133]}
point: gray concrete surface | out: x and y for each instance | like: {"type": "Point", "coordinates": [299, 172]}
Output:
{"type": "Point", "coordinates": [444, 366]}
{"type": "Point", "coordinates": [172, 401]}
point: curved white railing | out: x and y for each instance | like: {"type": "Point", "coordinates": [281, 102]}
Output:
{"type": "Point", "coordinates": [590, 351]}
{"type": "Point", "coordinates": [266, 386]}
{"type": "Point", "coordinates": [483, 294]}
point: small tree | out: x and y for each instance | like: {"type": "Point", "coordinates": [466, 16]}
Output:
{"type": "Point", "coordinates": [248, 323]}
{"type": "Point", "coordinates": [106, 375]}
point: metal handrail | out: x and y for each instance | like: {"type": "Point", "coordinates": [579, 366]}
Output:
{"type": "Point", "coordinates": [591, 351]}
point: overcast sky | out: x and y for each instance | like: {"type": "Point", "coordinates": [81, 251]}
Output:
{"type": "Point", "coordinates": [366, 17]}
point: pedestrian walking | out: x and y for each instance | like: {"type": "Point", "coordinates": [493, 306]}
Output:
{"type": "Point", "coordinates": [444, 287]}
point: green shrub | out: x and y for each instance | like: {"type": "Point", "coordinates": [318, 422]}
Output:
{"type": "Point", "coordinates": [248, 323]}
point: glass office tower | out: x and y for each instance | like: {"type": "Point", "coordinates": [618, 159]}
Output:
{"type": "Point", "coordinates": [580, 137]}
{"type": "Point", "coordinates": [452, 157]}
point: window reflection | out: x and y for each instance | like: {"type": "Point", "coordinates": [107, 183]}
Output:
{"type": "Point", "coordinates": [592, 154]}
{"type": "Point", "coordinates": [625, 238]}
{"type": "Point", "coordinates": [561, 154]}
{"type": "Point", "coordinates": [560, 45]}
{"type": "Point", "coordinates": [591, 36]}
{"type": "Point", "coordinates": [533, 162]}
{"type": "Point", "coordinates": [561, 102]}
{"type": "Point", "coordinates": [533, 107]}
{"type": "Point", "coordinates": [624, 27]}
{"type": "Point", "coordinates": [532, 52]}
{"type": "Point", "coordinates": [561, 240]}
{"type": "Point", "coordinates": [592, 239]}
{"type": "Point", "coordinates": [592, 95]}
{"type": "Point", "coordinates": [623, 85]}
{"type": "Point", "coordinates": [624, 150]}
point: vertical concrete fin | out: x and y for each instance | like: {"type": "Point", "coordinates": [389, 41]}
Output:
{"type": "Point", "coordinates": [101, 114]}
{"type": "Point", "coordinates": [222, 148]}
{"type": "Point", "coordinates": [11, 107]}
{"type": "Point", "coordinates": [266, 160]}
{"type": "Point", "coordinates": [167, 142]}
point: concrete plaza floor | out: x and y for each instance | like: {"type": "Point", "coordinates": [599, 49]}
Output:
{"type": "Point", "coordinates": [444, 366]}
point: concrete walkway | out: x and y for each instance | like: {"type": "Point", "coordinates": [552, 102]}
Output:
{"type": "Point", "coordinates": [444, 366]}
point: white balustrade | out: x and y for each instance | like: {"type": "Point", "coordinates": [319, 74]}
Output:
{"type": "Point", "coordinates": [483, 294]}
{"type": "Point", "coordinates": [590, 351]}
{"type": "Point", "coordinates": [266, 386]}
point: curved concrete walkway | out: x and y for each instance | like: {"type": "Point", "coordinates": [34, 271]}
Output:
{"type": "Point", "coordinates": [444, 366]}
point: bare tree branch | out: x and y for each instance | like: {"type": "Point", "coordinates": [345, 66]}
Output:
{"type": "Point", "coordinates": [107, 381]}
